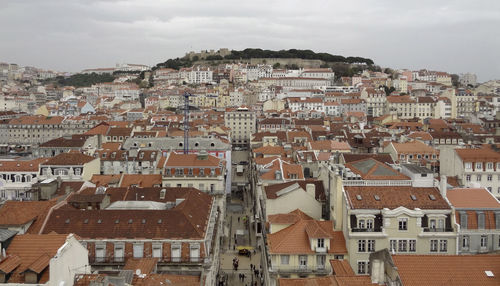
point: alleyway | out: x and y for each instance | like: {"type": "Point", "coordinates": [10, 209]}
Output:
{"type": "Point", "coordinates": [239, 233]}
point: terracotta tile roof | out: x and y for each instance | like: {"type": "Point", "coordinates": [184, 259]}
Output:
{"type": "Point", "coordinates": [100, 129]}
{"type": "Point", "coordinates": [395, 197]}
{"type": "Point", "coordinates": [285, 168]}
{"type": "Point", "coordinates": [267, 160]}
{"type": "Point", "coordinates": [381, 157]}
{"type": "Point", "coordinates": [145, 265]}
{"type": "Point", "coordinates": [76, 141]}
{"type": "Point", "coordinates": [272, 190]}
{"type": "Point", "coordinates": [269, 150]}
{"type": "Point", "coordinates": [141, 180]}
{"type": "Point", "coordinates": [472, 219]}
{"type": "Point", "coordinates": [21, 166]}
{"type": "Point", "coordinates": [420, 135]}
{"type": "Point", "coordinates": [10, 263]}
{"type": "Point", "coordinates": [111, 145]}
{"type": "Point", "coordinates": [472, 198]}
{"type": "Point", "coordinates": [371, 169]}
{"type": "Point", "coordinates": [414, 147]}
{"type": "Point", "coordinates": [289, 218]}
{"type": "Point", "coordinates": [478, 155]}
{"type": "Point", "coordinates": [167, 279]}
{"type": "Point", "coordinates": [105, 180]}
{"type": "Point", "coordinates": [187, 220]}
{"type": "Point", "coordinates": [191, 160]}
{"type": "Point", "coordinates": [330, 145]}
{"type": "Point", "coordinates": [119, 131]}
{"type": "Point", "coordinates": [295, 238]}
{"type": "Point", "coordinates": [441, 270]}
{"type": "Point", "coordinates": [68, 159]}
{"type": "Point", "coordinates": [341, 268]}
{"type": "Point", "coordinates": [34, 252]}
{"type": "Point", "coordinates": [37, 120]}
{"type": "Point", "coordinates": [14, 213]}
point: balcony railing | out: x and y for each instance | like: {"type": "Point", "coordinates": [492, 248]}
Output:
{"type": "Point", "coordinates": [110, 259]}
{"type": "Point", "coordinates": [376, 182]}
{"type": "Point", "coordinates": [379, 229]}
{"type": "Point", "coordinates": [301, 269]}
{"type": "Point", "coordinates": [435, 229]}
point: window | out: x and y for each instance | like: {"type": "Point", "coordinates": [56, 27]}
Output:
{"type": "Point", "coordinates": [468, 165]}
{"type": "Point", "coordinates": [478, 178]}
{"type": "Point", "coordinates": [371, 245]}
{"type": "Point", "coordinates": [100, 252]}
{"type": "Point", "coordinates": [402, 246]}
{"type": "Point", "coordinates": [157, 250]}
{"type": "Point", "coordinates": [119, 252]}
{"type": "Point", "coordinates": [489, 178]}
{"type": "Point", "coordinates": [369, 223]}
{"type": "Point", "coordinates": [403, 224]}
{"type": "Point", "coordinates": [479, 166]}
{"type": "Point", "coordinates": [443, 245]}
{"type": "Point", "coordinates": [489, 166]}
{"type": "Point", "coordinates": [465, 241]}
{"type": "Point", "coordinates": [176, 253]}
{"type": "Point", "coordinates": [194, 252]}
{"type": "Point", "coordinates": [321, 242]}
{"type": "Point", "coordinates": [179, 172]}
{"type": "Point", "coordinates": [467, 178]}
{"type": "Point", "coordinates": [484, 241]}
{"type": "Point", "coordinates": [78, 171]}
{"type": "Point", "coordinates": [393, 245]}
{"type": "Point", "coordinates": [412, 243]}
{"type": "Point", "coordinates": [361, 223]}
{"type": "Point", "coordinates": [302, 261]}
{"type": "Point", "coordinates": [362, 267]}
{"type": "Point", "coordinates": [361, 245]}
{"type": "Point", "coordinates": [138, 250]}
{"type": "Point", "coordinates": [434, 245]}
{"type": "Point", "coordinates": [285, 259]}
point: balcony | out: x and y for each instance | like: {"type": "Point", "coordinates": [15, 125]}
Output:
{"type": "Point", "coordinates": [434, 229]}
{"type": "Point", "coordinates": [112, 260]}
{"type": "Point", "coordinates": [366, 229]}
{"type": "Point", "coordinates": [284, 269]}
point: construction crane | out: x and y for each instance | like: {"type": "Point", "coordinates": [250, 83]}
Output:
{"type": "Point", "coordinates": [187, 95]}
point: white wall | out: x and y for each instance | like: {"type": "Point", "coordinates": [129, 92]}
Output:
{"type": "Point", "coordinates": [72, 258]}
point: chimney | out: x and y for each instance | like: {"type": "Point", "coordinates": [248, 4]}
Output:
{"type": "Point", "coordinates": [443, 183]}
{"type": "Point", "coordinates": [311, 190]}
{"type": "Point", "coordinates": [378, 272]}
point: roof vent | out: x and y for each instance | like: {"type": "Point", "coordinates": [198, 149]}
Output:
{"type": "Point", "coordinates": [99, 220]}
{"type": "Point", "coordinates": [143, 221]}
{"type": "Point", "coordinates": [414, 198]}
{"type": "Point", "coordinates": [159, 221]}
{"type": "Point", "coordinates": [67, 221]}
{"type": "Point", "coordinates": [117, 221]}
{"type": "Point", "coordinates": [358, 197]}
{"type": "Point", "coordinates": [162, 194]}
{"type": "Point", "coordinates": [432, 197]}
{"type": "Point", "coordinates": [86, 221]}
{"type": "Point", "coordinates": [489, 273]}
{"type": "Point", "coordinates": [130, 221]}
{"type": "Point", "coordinates": [377, 198]}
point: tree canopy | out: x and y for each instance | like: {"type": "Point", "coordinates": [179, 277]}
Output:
{"type": "Point", "coordinates": [81, 80]}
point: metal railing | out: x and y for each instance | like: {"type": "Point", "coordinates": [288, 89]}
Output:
{"type": "Point", "coordinates": [301, 269]}
{"type": "Point", "coordinates": [366, 229]}
{"type": "Point", "coordinates": [110, 259]}
{"type": "Point", "coordinates": [436, 229]}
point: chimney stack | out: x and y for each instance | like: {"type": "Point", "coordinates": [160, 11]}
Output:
{"type": "Point", "coordinates": [443, 184]}
{"type": "Point", "coordinates": [311, 190]}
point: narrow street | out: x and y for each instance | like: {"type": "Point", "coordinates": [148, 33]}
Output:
{"type": "Point", "coordinates": [239, 234]}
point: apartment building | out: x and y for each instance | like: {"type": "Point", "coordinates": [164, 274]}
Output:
{"type": "Point", "coordinates": [305, 104]}
{"type": "Point", "coordinates": [242, 122]}
{"type": "Point", "coordinates": [375, 101]}
{"type": "Point", "coordinates": [300, 246]}
{"type": "Point", "coordinates": [18, 177]}
{"type": "Point", "coordinates": [202, 171]}
{"type": "Point", "coordinates": [466, 102]}
{"type": "Point", "coordinates": [473, 167]}
{"type": "Point", "coordinates": [401, 219]}
{"type": "Point", "coordinates": [72, 166]}
{"type": "Point", "coordinates": [477, 212]}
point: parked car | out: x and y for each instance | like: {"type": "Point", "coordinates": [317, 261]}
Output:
{"type": "Point", "coordinates": [243, 162]}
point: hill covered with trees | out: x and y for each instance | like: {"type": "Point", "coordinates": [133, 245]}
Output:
{"type": "Point", "coordinates": [260, 53]}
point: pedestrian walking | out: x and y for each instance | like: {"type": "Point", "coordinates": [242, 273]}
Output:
{"type": "Point", "coordinates": [251, 266]}
{"type": "Point", "coordinates": [238, 219]}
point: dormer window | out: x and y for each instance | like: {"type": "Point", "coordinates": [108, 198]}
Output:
{"type": "Point", "coordinates": [321, 242]}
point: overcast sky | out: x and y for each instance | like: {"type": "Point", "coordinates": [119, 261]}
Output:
{"type": "Point", "coordinates": [66, 35]}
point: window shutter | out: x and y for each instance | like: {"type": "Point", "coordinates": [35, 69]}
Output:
{"type": "Point", "coordinates": [463, 220]}
{"type": "Point", "coordinates": [480, 220]}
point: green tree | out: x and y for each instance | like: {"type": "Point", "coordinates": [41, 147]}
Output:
{"type": "Point", "coordinates": [276, 66]}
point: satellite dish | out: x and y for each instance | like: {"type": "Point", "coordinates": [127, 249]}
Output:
{"type": "Point", "coordinates": [138, 272]}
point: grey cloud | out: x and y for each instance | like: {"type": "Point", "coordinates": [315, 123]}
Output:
{"type": "Point", "coordinates": [454, 36]}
